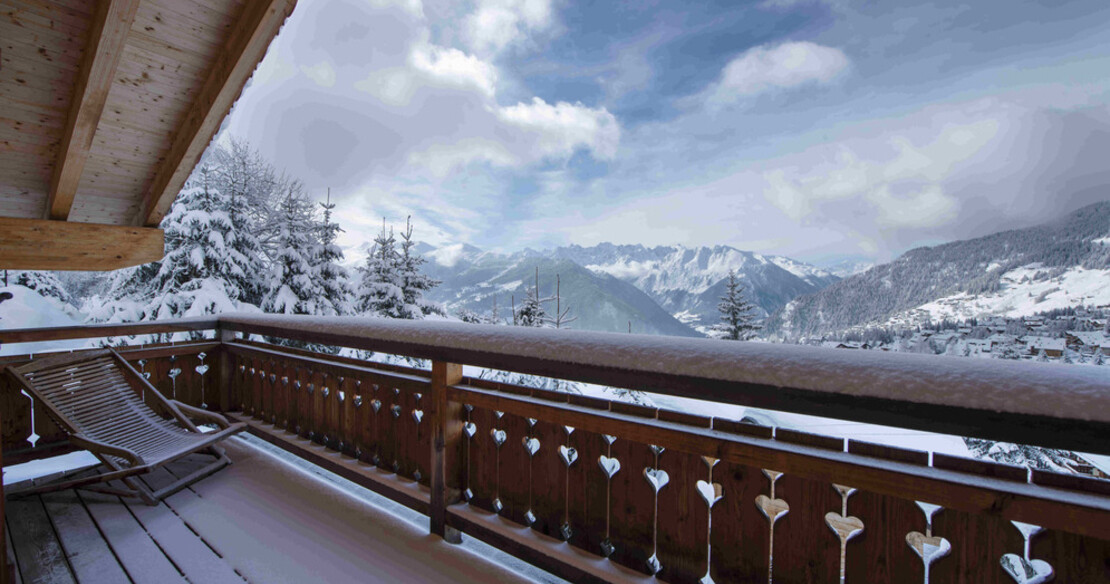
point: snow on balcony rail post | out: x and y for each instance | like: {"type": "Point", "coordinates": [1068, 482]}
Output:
{"type": "Point", "coordinates": [223, 401]}
{"type": "Point", "coordinates": [447, 442]}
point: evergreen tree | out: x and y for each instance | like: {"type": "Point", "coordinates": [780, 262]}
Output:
{"type": "Point", "coordinates": [334, 282]}
{"type": "Point", "coordinates": [531, 311]}
{"type": "Point", "coordinates": [380, 291]}
{"type": "Point", "coordinates": [45, 283]}
{"type": "Point", "coordinates": [292, 289]}
{"type": "Point", "coordinates": [737, 320]}
{"type": "Point", "coordinates": [414, 283]}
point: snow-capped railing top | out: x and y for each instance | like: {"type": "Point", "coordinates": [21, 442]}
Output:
{"type": "Point", "coordinates": [1031, 403]}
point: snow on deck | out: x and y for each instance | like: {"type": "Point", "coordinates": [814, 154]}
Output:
{"type": "Point", "coordinates": [261, 519]}
{"type": "Point", "coordinates": [1073, 393]}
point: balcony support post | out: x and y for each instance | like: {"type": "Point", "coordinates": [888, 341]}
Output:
{"type": "Point", "coordinates": [223, 369]}
{"type": "Point", "coordinates": [447, 442]}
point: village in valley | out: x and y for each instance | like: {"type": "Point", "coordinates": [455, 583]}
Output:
{"type": "Point", "coordinates": [1077, 336]}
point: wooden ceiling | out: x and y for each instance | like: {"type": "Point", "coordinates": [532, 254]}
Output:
{"type": "Point", "coordinates": [105, 108]}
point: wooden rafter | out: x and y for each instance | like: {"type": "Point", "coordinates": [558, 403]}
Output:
{"type": "Point", "coordinates": [255, 28]}
{"type": "Point", "coordinates": [37, 244]}
{"type": "Point", "coordinates": [98, 66]}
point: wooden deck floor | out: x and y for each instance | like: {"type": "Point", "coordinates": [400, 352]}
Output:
{"type": "Point", "coordinates": [260, 520]}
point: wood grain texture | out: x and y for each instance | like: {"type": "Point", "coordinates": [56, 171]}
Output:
{"type": "Point", "coordinates": [103, 52]}
{"type": "Point", "coordinates": [35, 244]}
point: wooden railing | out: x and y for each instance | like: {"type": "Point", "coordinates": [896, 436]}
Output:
{"type": "Point", "coordinates": [597, 490]}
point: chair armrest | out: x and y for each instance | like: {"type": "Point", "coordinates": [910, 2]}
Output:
{"type": "Point", "coordinates": [201, 415]}
{"type": "Point", "coordinates": [92, 445]}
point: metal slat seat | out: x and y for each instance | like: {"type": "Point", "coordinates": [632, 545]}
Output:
{"type": "Point", "coordinates": [98, 399]}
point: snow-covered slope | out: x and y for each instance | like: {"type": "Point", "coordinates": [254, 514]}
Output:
{"type": "Point", "coordinates": [27, 309]}
{"type": "Point", "coordinates": [1013, 273]}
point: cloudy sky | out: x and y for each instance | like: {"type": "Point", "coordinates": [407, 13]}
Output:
{"type": "Point", "coordinates": [818, 129]}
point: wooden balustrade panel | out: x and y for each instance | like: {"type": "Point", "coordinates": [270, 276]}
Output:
{"type": "Point", "coordinates": [349, 418]}
{"type": "Point", "coordinates": [300, 398]}
{"type": "Point", "coordinates": [282, 390]}
{"type": "Point", "coordinates": [48, 432]}
{"type": "Point", "coordinates": [978, 544]}
{"type": "Point", "coordinates": [333, 412]}
{"type": "Point", "coordinates": [319, 381]}
{"type": "Point", "coordinates": [414, 442]}
{"type": "Point", "coordinates": [483, 466]}
{"type": "Point", "coordinates": [391, 411]}
{"type": "Point", "coordinates": [683, 524]}
{"type": "Point", "coordinates": [589, 492]}
{"type": "Point", "coordinates": [806, 550]}
{"type": "Point", "coordinates": [265, 399]}
{"type": "Point", "coordinates": [741, 535]}
{"type": "Point", "coordinates": [880, 553]}
{"type": "Point", "coordinates": [15, 409]}
{"type": "Point", "coordinates": [549, 479]}
{"type": "Point", "coordinates": [258, 380]}
{"type": "Point", "coordinates": [516, 468]}
{"type": "Point", "coordinates": [1074, 558]}
{"type": "Point", "coordinates": [632, 526]}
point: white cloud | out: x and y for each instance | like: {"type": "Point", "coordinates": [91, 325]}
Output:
{"type": "Point", "coordinates": [322, 74]}
{"type": "Point", "coordinates": [455, 68]}
{"type": "Point", "coordinates": [562, 128]}
{"type": "Point", "coordinates": [497, 24]}
{"type": "Point", "coordinates": [768, 68]}
{"type": "Point", "coordinates": [394, 86]}
{"type": "Point", "coordinates": [448, 255]}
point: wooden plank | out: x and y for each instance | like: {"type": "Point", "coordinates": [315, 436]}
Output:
{"type": "Point", "coordinates": [11, 565]}
{"type": "Point", "coordinates": [181, 545]}
{"type": "Point", "coordinates": [135, 549]}
{"type": "Point", "coordinates": [978, 544]}
{"type": "Point", "coordinates": [32, 244]}
{"type": "Point", "coordinates": [89, 555]}
{"type": "Point", "coordinates": [483, 472]}
{"type": "Point", "coordinates": [1073, 558]}
{"type": "Point", "coordinates": [102, 54]}
{"type": "Point", "coordinates": [880, 553]}
{"type": "Point", "coordinates": [806, 550]}
{"type": "Point", "coordinates": [740, 538]}
{"type": "Point", "coordinates": [632, 525]}
{"type": "Point", "coordinates": [589, 491]}
{"type": "Point", "coordinates": [445, 419]}
{"type": "Point", "coordinates": [683, 523]}
{"type": "Point", "coordinates": [257, 25]}
{"type": "Point", "coordinates": [40, 554]}
{"type": "Point", "coordinates": [549, 479]}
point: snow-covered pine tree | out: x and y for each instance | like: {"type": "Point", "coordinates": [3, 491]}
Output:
{"type": "Point", "coordinates": [292, 289]}
{"type": "Point", "coordinates": [380, 290]}
{"type": "Point", "coordinates": [531, 311]}
{"type": "Point", "coordinates": [737, 321]}
{"type": "Point", "coordinates": [45, 283]}
{"type": "Point", "coordinates": [414, 283]}
{"type": "Point", "coordinates": [336, 293]}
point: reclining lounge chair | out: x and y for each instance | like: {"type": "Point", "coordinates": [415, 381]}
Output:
{"type": "Point", "coordinates": [97, 398]}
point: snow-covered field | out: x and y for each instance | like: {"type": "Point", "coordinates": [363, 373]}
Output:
{"type": "Point", "coordinates": [1022, 294]}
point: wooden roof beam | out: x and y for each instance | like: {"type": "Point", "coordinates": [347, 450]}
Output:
{"type": "Point", "coordinates": [255, 28]}
{"type": "Point", "coordinates": [37, 244]}
{"type": "Point", "coordinates": [103, 51]}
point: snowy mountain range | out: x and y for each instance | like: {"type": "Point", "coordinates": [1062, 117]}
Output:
{"type": "Point", "coordinates": [663, 290]}
{"type": "Point", "coordinates": [1012, 273]}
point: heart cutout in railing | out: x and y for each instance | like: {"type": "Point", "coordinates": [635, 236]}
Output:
{"type": "Point", "coordinates": [569, 430]}
{"type": "Point", "coordinates": [656, 478]}
{"type": "Point", "coordinates": [201, 356]}
{"type": "Point", "coordinates": [201, 369]}
{"type": "Point", "coordinates": [418, 415]}
{"type": "Point", "coordinates": [711, 493]}
{"type": "Point", "coordinates": [657, 449]}
{"type": "Point", "coordinates": [396, 410]}
{"type": "Point", "coordinates": [1025, 571]}
{"type": "Point", "coordinates": [609, 438]}
{"type": "Point", "coordinates": [499, 437]}
{"type": "Point", "coordinates": [376, 404]}
{"type": "Point", "coordinates": [531, 445]}
{"type": "Point", "coordinates": [173, 373]}
{"type": "Point", "coordinates": [532, 422]}
{"type": "Point", "coordinates": [772, 509]}
{"type": "Point", "coordinates": [844, 527]}
{"type": "Point", "coordinates": [146, 374]}
{"type": "Point", "coordinates": [358, 402]}
{"type": "Point", "coordinates": [569, 455]}
{"type": "Point", "coordinates": [928, 548]}
{"type": "Point", "coordinates": [470, 429]}
{"type": "Point", "coordinates": [610, 466]}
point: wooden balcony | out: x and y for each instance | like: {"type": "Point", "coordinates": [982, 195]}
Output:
{"type": "Point", "coordinates": [593, 490]}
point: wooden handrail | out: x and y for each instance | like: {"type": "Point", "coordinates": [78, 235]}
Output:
{"type": "Point", "coordinates": [95, 331]}
{"type": "Point", "coordinates": [963, 397]}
